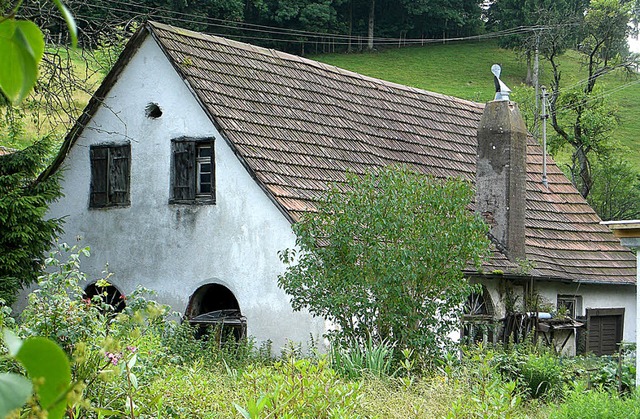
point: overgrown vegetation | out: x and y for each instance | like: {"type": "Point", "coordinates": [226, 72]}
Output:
{"type": "Point", "coordinates": [367, 241]}
{"type": "Point", "coordinates": [140, 363]}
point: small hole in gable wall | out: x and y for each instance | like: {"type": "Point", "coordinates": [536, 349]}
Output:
{"type": "Point", "coordinates": [153, 111]}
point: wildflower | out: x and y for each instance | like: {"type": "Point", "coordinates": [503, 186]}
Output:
{"type": "Point", "coordinates": [132, 349]}
{"type": "Point", "coordinates": [113, 358]}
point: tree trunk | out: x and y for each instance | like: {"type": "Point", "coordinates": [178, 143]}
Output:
{"type": "Point", "coordinates": [586, 181]}
{"type": "Point", "coordinates": [371, 22]}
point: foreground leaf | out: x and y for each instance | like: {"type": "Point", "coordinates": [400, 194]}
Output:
{"type": "Point", "coordinates": [14, 392]}
{"type": "Point", "coordinates": [68, 18]}
{"type": "Point", "coordinates": [47, 364]}
{"type": "Point", "coordinates": [12, 342]}
{"type": "Point", "coordinates": [21, 49]}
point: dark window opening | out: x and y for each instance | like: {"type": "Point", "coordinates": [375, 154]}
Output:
{"type": "Point", "coordinates": [108, 294]}
{"type": "Point", "coordinates": [110, 175]}
{"type": "Point", "coordinates": [193, 171]}
{"type": "Point", "coordinates": [213, 307]}
{"type": "Point", "coordinates": [569, 306]}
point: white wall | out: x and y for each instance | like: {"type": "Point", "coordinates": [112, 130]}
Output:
{"type": "Point", "coordinates": [174, 249]}
{"type": "Point", "coordinates": [598, 296]}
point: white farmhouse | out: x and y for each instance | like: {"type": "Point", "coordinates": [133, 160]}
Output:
{"type": "Point", "coordinates": [197, 153]}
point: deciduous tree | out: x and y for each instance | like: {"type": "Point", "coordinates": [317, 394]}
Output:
{"type": "Point", "coordinates": [577, 115]}
{"type": "Point", "coordinates": [383, 258]}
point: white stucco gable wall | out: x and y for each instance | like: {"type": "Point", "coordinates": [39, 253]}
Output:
{"type": "Point", "coordinates": [174, 249]}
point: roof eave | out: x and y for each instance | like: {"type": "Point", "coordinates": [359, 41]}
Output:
{"type": "Point", "coordinates": [543, 278]}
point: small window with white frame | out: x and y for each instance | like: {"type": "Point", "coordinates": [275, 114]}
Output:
{"type": "Point", "coordinates": [193, 171]}
{"type": "Point", "coordinates": [569, 305]}
{"type": "Point", "coordinates": [204, 170]}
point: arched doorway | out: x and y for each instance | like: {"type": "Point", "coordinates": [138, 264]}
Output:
{"type": "Point", "coordinates": [109, 294]}
{"type": "Point", "coordinates": [215, 306]}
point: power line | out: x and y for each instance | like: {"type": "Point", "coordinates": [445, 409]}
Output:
{"type": "Point", "coordinates": [295, 34]}
{"type": "Point", "coordinates": [292, 34]}
{"type": "Point", "coordinates": [593, 98]}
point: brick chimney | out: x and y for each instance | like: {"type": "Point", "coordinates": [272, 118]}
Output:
{"type": "Point", "coordinates": [501, 175]}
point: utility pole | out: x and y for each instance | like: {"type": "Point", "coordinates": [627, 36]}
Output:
{"type": "Point", "coordinates": [544, 117]}
{"type": "Point", "coordinates": [536, 83]}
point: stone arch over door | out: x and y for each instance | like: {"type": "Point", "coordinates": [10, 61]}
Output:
{"type": "Point", "coordinates": [214, 305]}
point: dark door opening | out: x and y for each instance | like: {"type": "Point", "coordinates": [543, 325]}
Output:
{"type": "Point", "coordinates": [605, 329]}
{"type": "Point", "coordinates": [214, 307]}
{"type": "Point", "coordinates": [108, 294]}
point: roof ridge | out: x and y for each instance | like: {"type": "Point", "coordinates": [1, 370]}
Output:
{"type": "Point", "coordinates": [306, 61]}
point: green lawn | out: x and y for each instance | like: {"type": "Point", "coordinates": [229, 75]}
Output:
{"type": "Point", "coordinates": [463, 70]}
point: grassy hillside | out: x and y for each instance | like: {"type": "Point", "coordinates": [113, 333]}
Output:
{"type": "Point", "coordinates": [463, 70]}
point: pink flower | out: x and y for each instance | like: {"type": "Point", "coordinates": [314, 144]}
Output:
{"type": "Point", "coordinates": [113, 358]}
{"type": "Point", "coordinates": [132, 348]}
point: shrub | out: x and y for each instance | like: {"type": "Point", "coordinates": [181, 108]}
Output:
{"type": "Point", "coordinates": [597, 404]}
{"type": "Point", "coordinates": [485, 391]}
{"type": "Point", "coordinates": [367, 240]}
{"type": "Point", "coordinates": [55, 309]}
{"type": "Point", "coordinates": [542, 375]}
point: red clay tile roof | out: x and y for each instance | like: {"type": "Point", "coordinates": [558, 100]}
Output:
{"type": "Point", "coordinates": [299, 125]}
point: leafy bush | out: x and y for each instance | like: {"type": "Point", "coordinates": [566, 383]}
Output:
{"type": "Point", "coordinates": [597, 404]}
{"type": "Point", "coordinates": [542, 375]}
{"type": "Point", "coordinates": [612, 373]}
{"type": "Point", "coordinates": [487, 393]}
{"type": "Point", "coordinates": [367, 240]}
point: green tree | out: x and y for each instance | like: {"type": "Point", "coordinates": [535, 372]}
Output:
{"type": "Point", "coordinates": [24, 200]}
{"type": "Point", "coordinates": [383, 258]}
{"type": "Point", "coordinates": [616, 193]}
{"type": "Point", "coordinates": [577, 114]}
{"type": "Point", "coordinates": [543, 24]}
{"type": "Point", "coordinates": [21, 50]}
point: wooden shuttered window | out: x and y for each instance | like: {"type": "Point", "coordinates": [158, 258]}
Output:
{"type": "Point", "coordinates": [184, 157]}
{"type": "Point", "coordinates": [110, 175]}
{"type": "Point", "coordinates": [192, 174]}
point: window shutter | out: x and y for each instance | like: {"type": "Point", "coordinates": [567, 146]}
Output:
{"type": "Point", "coordinates": [99, 163]}
{"type": "Point", "coordinates": [184, 182]}
{"type": "Point", "coordinates": [213, 172]}
{"type": "Point", "coordinates": [119, 173]}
